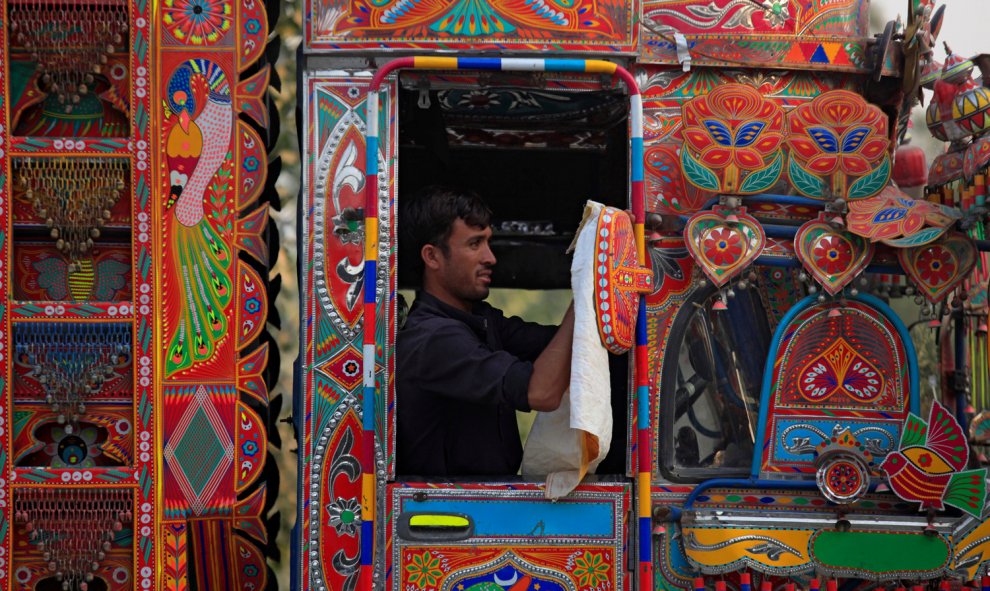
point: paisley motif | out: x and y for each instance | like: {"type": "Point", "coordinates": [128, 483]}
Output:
{"type": "Point", "coordinates": [840, 369]}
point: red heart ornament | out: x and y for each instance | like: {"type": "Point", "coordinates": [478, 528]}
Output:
{"type": "Point", "coordinates": [833, 257]}
{"type": "Point", "coordinates": [723, 248]}
{"type": "Point", "coordinates": [937, 268]}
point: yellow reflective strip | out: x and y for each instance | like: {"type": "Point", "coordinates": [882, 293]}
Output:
{"type": "Point", "coordinates": [368, 497]}
{"type": "Point", "coordinates": [371, 239]}
{"type": "Point", "coordinates": [599, 67]}
{"type": "Point", "coordinates": [438, 521]}
{"type": "Point", "coordinates": [644, 494]}
{"type": "Point", "coordinates": [640, 234]}
{"type": "Point", "coordinates": [436, 63]}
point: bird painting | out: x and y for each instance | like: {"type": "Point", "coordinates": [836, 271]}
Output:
{"type": "Point", "coordinates": [197, 158]}
{"type": "Point", "coordinates": [928, 466]}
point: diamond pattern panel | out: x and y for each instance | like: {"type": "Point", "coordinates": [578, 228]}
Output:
{"type": "Point", "coordinates": [199, 451]}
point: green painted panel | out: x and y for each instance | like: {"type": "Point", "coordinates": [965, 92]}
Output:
{"type": "Point", "coordinates": [879, 552]}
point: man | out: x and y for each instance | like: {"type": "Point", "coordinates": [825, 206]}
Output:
{"type": "Point", "coordinates": [462, 367]}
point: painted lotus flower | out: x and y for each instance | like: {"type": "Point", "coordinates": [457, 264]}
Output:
{"type": "Point", "coordinates": [833, 254]}
{"type": "Point", "coordinates": [936, 265]}
{"type": "Point", "coordinates": [735, 125]}
{"type": "Point", "coordinates": [344, 515]}
{"type": "Point", "coordinates": [723, 247]}
{"type": "Point", "coordinates": [838, 131]}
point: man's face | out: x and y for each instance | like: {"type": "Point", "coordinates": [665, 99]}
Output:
{"type": "Point", "coordinates": [465, 271]}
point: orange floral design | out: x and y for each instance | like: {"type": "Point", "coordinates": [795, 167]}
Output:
{"type": "Point", "coordinates": [837, 131]}
{"type": "Point", "coordinates": [734, 124]}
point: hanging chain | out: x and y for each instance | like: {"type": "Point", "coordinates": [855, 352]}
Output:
{"type": "Point", "coordinates": [72, 362]}
{"type": "Point", "coordinates": [73, 529]}
{"type": "Point", "coordinates": [70, 43]}
{"type": "Point", "coordinates": [74, 198]}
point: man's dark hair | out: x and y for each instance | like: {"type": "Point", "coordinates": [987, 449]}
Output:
{"type": "Point", "coordinates": [428, 217]}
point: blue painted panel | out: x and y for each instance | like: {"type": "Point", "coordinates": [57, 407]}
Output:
{"type": "Point", "coordinates": [888, 434]}
{"type": "Point", "coordinates": [523, 518]}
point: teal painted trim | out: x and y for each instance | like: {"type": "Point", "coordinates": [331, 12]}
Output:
{"type": "Point", "coordinates": [36, 476]}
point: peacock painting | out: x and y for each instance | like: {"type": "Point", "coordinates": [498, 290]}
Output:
{"type": "Point", "coordinates": [198, 163]}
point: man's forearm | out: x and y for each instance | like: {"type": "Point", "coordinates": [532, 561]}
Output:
{"type": "Point", "coordinates": [552, 369]}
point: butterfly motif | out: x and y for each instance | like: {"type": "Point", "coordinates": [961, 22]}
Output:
{"type": "Point", "coordinates": [744, 136]}
{"type": "Point", "coordinates": [827, 140]}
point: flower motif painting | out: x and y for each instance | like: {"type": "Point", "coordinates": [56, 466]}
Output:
{"type": "Point", "coordinates": [592, 569]}
{"type": "Point", "coordinates": [838, 136]}
{"type": "Point", "coordinates": [938, 268]}
{"type": "Point", "coordinates": [344, 515]}
{"type": "Point", "coordinates": [936, 264]}
{"type": "Point", "coordinates": [722, 246]}
{"type": "Point", "coordinates": [732, 140]}
{"type": "Point", "coordinates": [833, 254]}
{"type": "Point", "coordinates": [198, 22]}
{"type": "Point", "coordinates": [424, 570]}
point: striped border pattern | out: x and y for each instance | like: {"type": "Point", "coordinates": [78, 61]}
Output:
{"type": "Point", "coordinates": [371, 257]}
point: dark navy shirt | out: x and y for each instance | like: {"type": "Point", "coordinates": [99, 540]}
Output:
{"type": "Point", "coordinates": [459, 380]}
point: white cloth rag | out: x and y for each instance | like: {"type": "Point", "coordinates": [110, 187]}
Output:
{"type": "Point", "coordinates": [567, 443]}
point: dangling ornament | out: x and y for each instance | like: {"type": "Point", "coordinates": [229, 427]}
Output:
{"type": "Point", "coordinates": [723, 248]}
{"type": "Point", "coordinates": [73, 528]}
{"type": "Point", "coordinates": [910, 169]}
{"type": "Point", "coordinates": [74, 197]}
{"type": "Point", "coordinates": [65, 40]}
{"type": "Point", "coordinates": [71, 362]}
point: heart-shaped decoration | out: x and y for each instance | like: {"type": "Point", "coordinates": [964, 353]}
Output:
{"type": "Point", "coordinates": [937, 268]}
{"type": "Point", "coordinates": [833, 257]}
{"type": "Point", "coordinates": [724, 243]}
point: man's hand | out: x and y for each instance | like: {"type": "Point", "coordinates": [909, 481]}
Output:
{"type": "Point", "coordinates": [552, 369]}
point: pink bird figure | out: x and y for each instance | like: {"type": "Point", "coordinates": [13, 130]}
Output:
{"type": "Point", "coordinates": [927, 467]}
{"type": "Point", "coordinates": [197, 147]}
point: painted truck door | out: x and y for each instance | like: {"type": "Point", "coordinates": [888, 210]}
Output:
{"type": "Point", "coordinates": [427, 535]}
{"type": "Point", "coordinates": [332, 278]}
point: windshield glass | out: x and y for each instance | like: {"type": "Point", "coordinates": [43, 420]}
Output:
{"type": "Point", "coordinates": [711, 386]}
